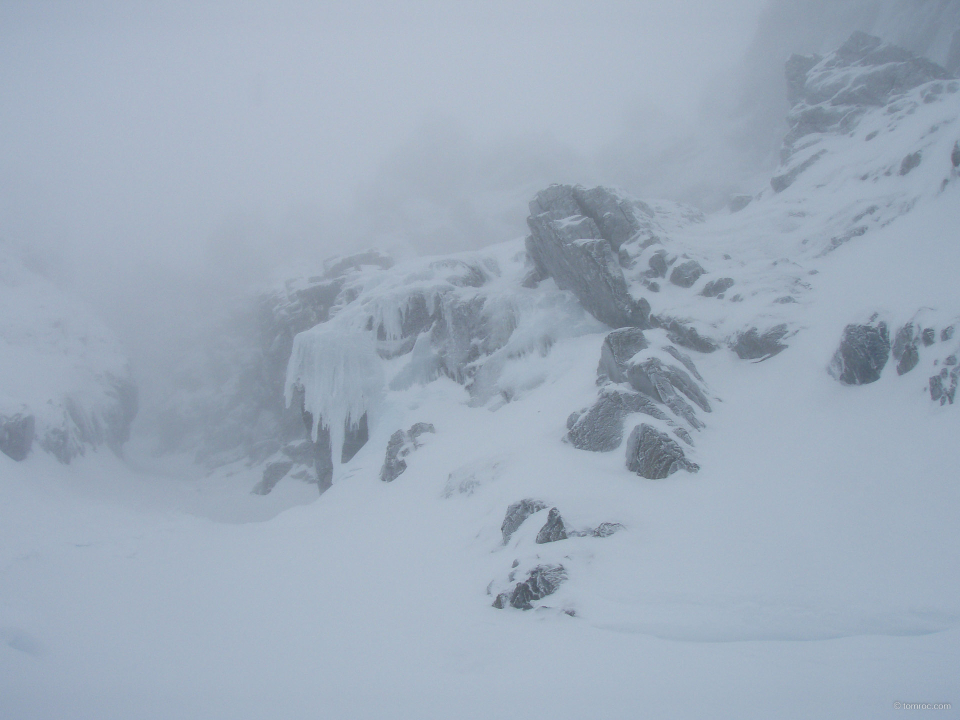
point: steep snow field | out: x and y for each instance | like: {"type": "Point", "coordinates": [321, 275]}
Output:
{"type": "Point", "coordinates": [810, 569]}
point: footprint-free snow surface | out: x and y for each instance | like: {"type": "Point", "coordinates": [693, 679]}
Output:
{"type": "Point", "coordinates": [640, 463]}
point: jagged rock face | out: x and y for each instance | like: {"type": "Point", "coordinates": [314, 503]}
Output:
{"type": "Point", "coordinates": [655, 455]}
{"type": "Point", "coordinates": [829, 94]}
{"type": "Point", "coordinates": [617, 350]}
{"type": "Point", "coordinates": [16, 435]}
{"type": "Point", "coordinates": [600, 427]}
{"type": "Point", "coordinates": [517, 513]}
{"type": "Point", "coordinates": [575, 236]}
{"type": "Point", "coordinates": [542, 581]}
{"type": "Point", "coordinates": [684, 335]}
{"type": "Point", "coordinates": [553, 530]}
{"type": "Point", "coordinates": [754, 345]}
{"type": "Point", "coordinates": [399, 447]}
{"type": "Point", "coordinates": [862, 354]}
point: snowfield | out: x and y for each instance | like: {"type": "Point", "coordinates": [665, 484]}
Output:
{"type": "Point", "coordinates": [808, 568]}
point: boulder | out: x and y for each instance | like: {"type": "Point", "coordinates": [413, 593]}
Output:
{"type": "Point", "coordinates": [686, 273]}
{"type": "Point", "coordinates": [862, 353]}
{"type": "Point", "coordinates": [655, 455]}
{"type": "Point", "coordinates": [658, 264]}
{"type": "Point", "coordinates": [542, 581]}
{"type": "Point", "coordinates": [16, 435]}
{"type": "Point", "coordinates": [517, 513]}
{"type": "Point", "coordinates": [754, 345]}
{"type": "Point", "coordinates": [685, 335]}
{"type": "Point", "coordinates": [606, 529]}
{"type": "Point", "coordinates": [553, 530]}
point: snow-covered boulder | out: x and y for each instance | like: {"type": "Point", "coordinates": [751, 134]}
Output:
{"type": "Point", "coordinates": [542, 581]}
{"type": "Point", "coordinates": [553, 529]}
{"type": "Point", "coordinates": [401, 444]}
{"type": "Point", "coordinates": [517, 513]}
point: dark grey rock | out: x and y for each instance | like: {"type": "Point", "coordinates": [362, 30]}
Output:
{"type": "Point", "coordinates": [739, 202]}
{"type": "Point", "coordinates": [553, 530]}
{"type": "Point", "coordinates": [716, 287]}
{"type": "Point", "coordinates": [16, 435]}
{"type": "Point", "coordinates": [517, 513]}
{"type": "Point", "coordinates": [400, 445]}
{"type": "Point", "coordinates": [908, 361]}
{"type": "Point", "coordinates": [928, 337]}
{"type": "Point", "coordinates": [754, 345]}
{"type": "Point", "coordinates": [569, 246]}
{"type": "Point", "coordinates": [354, 438]}
{"type": "Point", "coordinates": [655, 455]}
{"type": "Point", "coordinates": [862, 354]}
{"type": "Point", "coordinates": [904, 349]}
{"type": "Point", "coordinates": [955, 155]}
{"type": "Point", "coordinates": [950, 360]}
{"type": "Point", "coordinates": [543, 580]}
{"type": "Point", "coordinates": [600, 428]}
{"type": "Point", "coordinates": [617, 349]}
{"type": "Point", "coordinates": [943, 387]}
{"type": "Point", "coordinates": [946, 333]}
{"type": "Point", "coordinates": [661, 382]}
{"type": "Point", "coordinates": [658, 264]}
{"type": "Point", "coordinates": [686, 273]}
{"type": "Point", "coordinates": [910, 162]}
{"type": "Point", "coordinates": [272, 474]}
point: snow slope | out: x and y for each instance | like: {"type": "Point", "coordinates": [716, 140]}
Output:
{"type": "Point", "coordinates": [810, 568]}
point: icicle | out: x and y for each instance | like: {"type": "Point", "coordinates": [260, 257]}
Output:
{"type": "Point", "coordinates": [341, 375]}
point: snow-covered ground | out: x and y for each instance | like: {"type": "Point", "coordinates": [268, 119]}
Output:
{"type": "Point", "coordinates": [810, 569]}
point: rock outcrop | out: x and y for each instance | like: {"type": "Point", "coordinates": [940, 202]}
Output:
{"type": "Point", "coordinates": [401, 444]}
{"type": "Point", "coordinates": [517, 513]}
{"type": "Point", "coordinates": [553, 530]}
{"type": "Point", "coordinates": [755, 345]}
{"type": "Point", "coordinates": [655, 455]}
{"type": "Point", "coordinates": [542, 581]}
{"type": "Point", "coordinates": [575, 236]}
{"type": "Point", "coordinates": [16, 435]}
{"type": "Point", "coordinates": [863, 353]}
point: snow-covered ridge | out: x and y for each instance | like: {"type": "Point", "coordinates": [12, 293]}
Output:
{"type": "Point", "coordinates": [65, 384]}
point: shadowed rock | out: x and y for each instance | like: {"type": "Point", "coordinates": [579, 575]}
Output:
{"type": "Point", "coordinates": [686, 273]}
{"type": "Point", "coordinates": [272, 474]}
{"type": "Point", "coordinates": [600, 428]}
{"type": "Point", "coordinates": [16, 435]}
{"type": "Point", "coordinates": [943, 387]}
{"type": "Point", "coordinates": [553, 530]}
{"type": "Point", "coordinates": [754, 345]}
{"type": "Point", "coordinates": [685, 335]}
{"type": "Point", "coordinates": [517, 513]}
{"type": "Point", "coordinates": [717, 287]}
{"type": "Point", "coordinates": [543, 580]}
{"type": "Point", "coordinates": [655, 455]}
{"type": "Point", "coordinates": [400, 445]}
{"type": "Point", "coordinates": [862, 354]}
{"type": "Point", "coordinates": [568, 244]}
{"type": "Point", "coordinates": [904, 349]}
{"type": "Point", "coordinates": [618, 348]}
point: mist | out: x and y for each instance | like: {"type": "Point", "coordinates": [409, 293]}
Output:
{"type": "Point", "coordinates": [163, 160]}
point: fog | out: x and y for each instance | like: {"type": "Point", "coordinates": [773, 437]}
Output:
{"type": "Point", "coordinates": [160, 160]}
